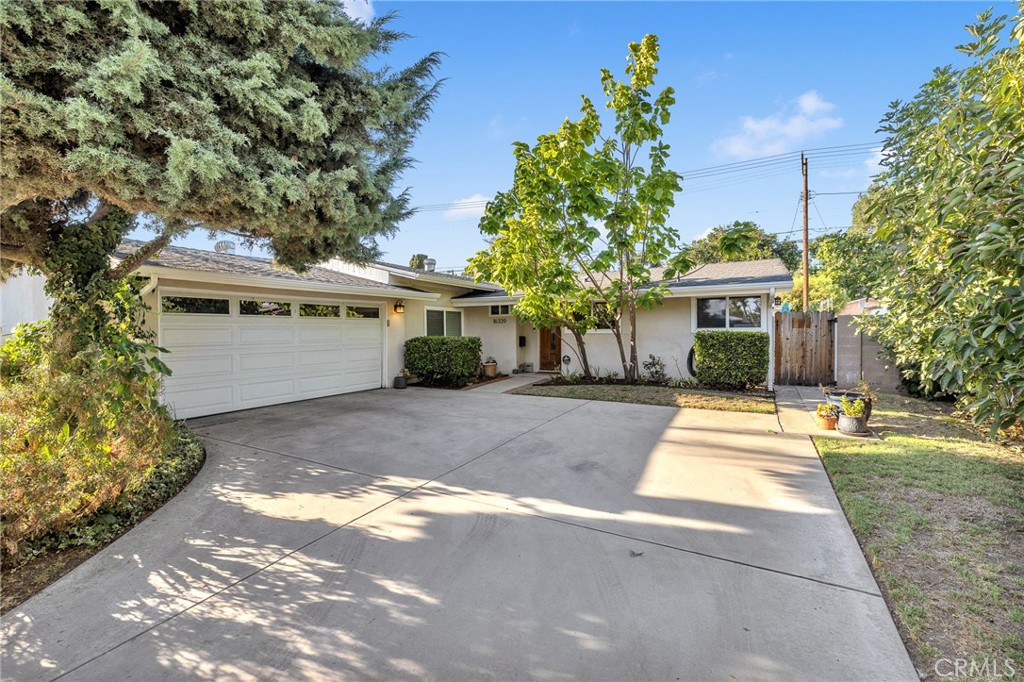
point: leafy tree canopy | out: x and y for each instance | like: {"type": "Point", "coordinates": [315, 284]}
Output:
{"type": "Point", "coordinates": [758, 244]}
{"type": "Point", "coordinates": [264, 119]}
{"type": "Point", "coordinates": [417, 260]}
{"type": "Point", "coordinates": [947, 214]}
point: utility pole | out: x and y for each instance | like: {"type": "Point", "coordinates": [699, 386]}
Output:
{"type": "Point", "coordinates": [807, 279]}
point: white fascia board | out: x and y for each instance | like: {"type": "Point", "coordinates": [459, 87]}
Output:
{"type": "Point", "coordinates": [273, 283]}
{"type": "Point", "coordinates": [729, 289]}
{"type": "Point", "coordinates": [480, 302]}
{"type": "Point", "coordinates": [428, 277]}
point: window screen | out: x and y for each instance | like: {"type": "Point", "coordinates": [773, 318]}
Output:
{"type": "Point", "coordinates": [453, 323]}
{"type": "Point", "coordinates": [435, 323]}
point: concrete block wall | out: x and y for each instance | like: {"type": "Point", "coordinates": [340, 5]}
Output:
{"type": "Point", "coordinates": [860, 358]}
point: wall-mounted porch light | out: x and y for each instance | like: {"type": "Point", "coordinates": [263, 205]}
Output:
{"type": "Point", "coordinates": [399, 307]}
{"type": "Point", "coordinates": [778, 300]}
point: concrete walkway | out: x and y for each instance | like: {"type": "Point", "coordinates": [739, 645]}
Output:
{"type": "Point", "coordinates": [510, 383]}
{"type": "Point", "coordinates": [471, 535]}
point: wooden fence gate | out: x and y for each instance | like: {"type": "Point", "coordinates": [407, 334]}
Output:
{"type": "Point", "coordinates": [804, 345]}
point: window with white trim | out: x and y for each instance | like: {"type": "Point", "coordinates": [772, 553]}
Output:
{"type": "Point", "coordinates": [444, 322]}
{"type": "Point", "coordinates": [729, 312]}
{"type": "Point", "coordinates": [498, 310]}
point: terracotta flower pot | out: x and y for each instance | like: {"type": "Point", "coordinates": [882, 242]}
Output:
{"type": "Point", "coordinates": [490, 369]}
{"type": "Point", "coordinates": [828, 423]}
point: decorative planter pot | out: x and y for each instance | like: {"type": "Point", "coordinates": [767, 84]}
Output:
{"type": "Point", "coordinates": [400, 382]}
{"type": "Point", "coordinates": [490, 369]}
{"type": "Point", "coordinates": [827, 423]}
{"type": "Point", "coordinates": [857, 426]}
{"type": "Point", "coordinates": [835, 397]}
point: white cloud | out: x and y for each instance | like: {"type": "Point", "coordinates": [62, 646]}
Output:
{"type": "Point", "coordinates": [501, 128]}
{"type": "Point", "coordinates": [873, 165]}
{"type": "Point", "coordinates": [470, 207]}
{"type": "Point", "coordinates": [360, 10]}
{"type": "Point", "coordinates": [781, 132]}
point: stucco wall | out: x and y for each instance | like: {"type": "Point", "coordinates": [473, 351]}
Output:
{"type": "Point", "coordinates": [663, 331]}
{"type": "Point", "coordinates": [860, 358]}
{"type": "Point", "coordinates": [22, 300]}
{"type": "Point", "coordinates": [497, 335]}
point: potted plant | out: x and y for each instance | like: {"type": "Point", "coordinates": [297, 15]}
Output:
{"type": "Point", "coordinates": [402, 380]}
{"type": "Point", "coordinates": [827, 416]}
{"type": "Point", "coordinates": [835, 396]}
{"type": "Point", "coordinates": [853, 419]}
{"type": "Point", "coordinates": [490, 367]}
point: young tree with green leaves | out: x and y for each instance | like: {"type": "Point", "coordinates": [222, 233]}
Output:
{"type": "Point", "coordinates": [948, 214]}
{"type": "Point", "coordinates": [587, 214]}
{"type": "Point", "coordinates": [261, 119]}
{"type": "Point", "coordinates": [712, 249]}
{"type": "Point", "coordinates": [417, 260]}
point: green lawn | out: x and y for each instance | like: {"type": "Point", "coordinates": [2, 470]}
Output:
{"type": "Point", "coordinates": [659, 395]}
{"type": "Point", "coordinates": [939, 511]}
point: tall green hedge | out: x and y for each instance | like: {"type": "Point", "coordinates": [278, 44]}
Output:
{"type": "Point", "coordinates": [443, 360]}
{"type": "Point", "coordinates": [728, 359]}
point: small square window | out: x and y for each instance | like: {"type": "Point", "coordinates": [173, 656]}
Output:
{"type": "Point", "coordinates": [503, 309]}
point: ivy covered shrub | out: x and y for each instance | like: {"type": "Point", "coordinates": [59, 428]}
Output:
{"type": "Point", "coordinates": [731, 359]}
{"type": "Point", "coordinates": [445, 361]}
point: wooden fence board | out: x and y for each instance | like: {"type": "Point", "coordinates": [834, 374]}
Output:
{"type": "Point", "coordinates": [804, 349]}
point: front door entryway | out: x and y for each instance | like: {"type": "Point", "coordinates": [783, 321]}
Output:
{"type": "Point", "coordinates": [550, 350]}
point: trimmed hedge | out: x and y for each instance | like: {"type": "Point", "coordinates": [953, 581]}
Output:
{"type": "Point", "coordinates": [728, 359]}
{"type": "Point", "coordinates": [448, 361]}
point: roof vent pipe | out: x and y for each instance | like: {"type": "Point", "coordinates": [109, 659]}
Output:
{"type": "Point", "coordinates": [225, 246]}
{"type": "Point", "coordinates": [429, 264]}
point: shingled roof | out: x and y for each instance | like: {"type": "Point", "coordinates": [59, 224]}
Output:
{"type": "Point", "coordinates": [766, 271]}
{"type": "Point", "coordinates": [183, 258]}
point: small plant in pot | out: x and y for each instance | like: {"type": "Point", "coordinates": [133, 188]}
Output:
{"type": "Point", "coordinates": [490, 367]}
{"type": "Point", "coordinates": [402, 380]}
{"type": "Point", "coordinates": [853, 419]}
{"type": "Point", "coordinates": [827, 416]}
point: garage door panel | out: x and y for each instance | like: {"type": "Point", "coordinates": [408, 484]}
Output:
{"type": "Point", "coordinates": [193, 401]}
{"type": "Point", "coordinates": [265, 335]}
{"type": "Point", "coordinates": [224, 363]}
{"type": "Point", "coordinates": [266, 392]}
{"type": "Point", "coordinates": [362, 332]}
{"type": "Point", "coordinates": [258, 362]}
{"type": "Point", "coordinates": [320, 331]}
{"type": "Point", "coordinates": [184, 335]}
{"type": "Point", "coordinates": [318, 358]}
{"type": "Point", "coordinates": [324, 384]}
{"type": "Point", "coordinates": [186, 364]}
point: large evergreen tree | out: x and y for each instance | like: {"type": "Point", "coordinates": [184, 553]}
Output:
{"type": "Point", "coordinates": [264, 119]}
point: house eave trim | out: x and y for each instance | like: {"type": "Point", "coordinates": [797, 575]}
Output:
{"type": "Point", "coordinates": [272, 283]}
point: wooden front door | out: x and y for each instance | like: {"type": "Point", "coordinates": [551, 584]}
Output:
{"type": "Point", "coordinates": [550, 349]}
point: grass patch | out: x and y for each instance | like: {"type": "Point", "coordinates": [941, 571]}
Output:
{"type": "Point", "coordinates": [762, 403]}
{"type": "Point", "coordinates": [41, 561]}
{"type": "Point", "coordinates": [939, 511]}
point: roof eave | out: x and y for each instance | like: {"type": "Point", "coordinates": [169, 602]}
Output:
{"type": "Point", "coordinates": [483, 301]}
{"type": "Point", "coordinates": [275, 283]}
{"type": "Point", "coordinates": [738, 288]}
{"type": "Point", "coordinates": [428, 277]}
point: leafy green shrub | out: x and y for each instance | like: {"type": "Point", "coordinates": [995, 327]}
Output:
{"type": "Point", "coordinates": [449, 361]}
{"type": "Point", "coordinates": [731, 359]}
{"type": "Point", "coordinates": [73, 439]}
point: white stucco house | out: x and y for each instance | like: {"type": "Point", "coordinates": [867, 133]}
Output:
{"type": "Point", "coordinates": [243, 333]}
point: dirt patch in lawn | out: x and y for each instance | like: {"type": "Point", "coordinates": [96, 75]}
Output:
{"type": "Point", "coordinates": [760, 402]}
{"type": "Point", "coordinates": [939, 512]}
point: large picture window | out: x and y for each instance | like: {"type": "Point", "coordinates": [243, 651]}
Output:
{"type": "Point", "coordinates": [444, 322]}
{"type": "Point", "coordinates": [730, 312]}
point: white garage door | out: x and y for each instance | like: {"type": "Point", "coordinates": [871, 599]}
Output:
{"type": "Point", "coordinates": [233, 353]}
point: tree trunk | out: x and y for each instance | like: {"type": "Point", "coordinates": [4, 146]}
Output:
{"type": "Point", "coordinates": [634, 362]}
{"type": "Point", "coordinates": [581, 351]}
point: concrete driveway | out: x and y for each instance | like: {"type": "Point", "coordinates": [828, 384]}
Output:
{"type": "Point", "coordinates": [470, 535]}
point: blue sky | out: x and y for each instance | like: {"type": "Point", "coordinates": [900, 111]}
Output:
{"type": "Point", "coordinates": [751, 79]}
